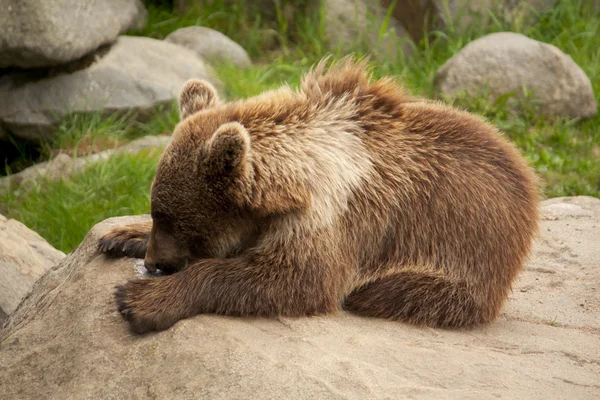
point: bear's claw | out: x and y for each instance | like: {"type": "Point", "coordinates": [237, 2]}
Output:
{"type": "Point", "coordinates": [126, 241]}
{"type": "Point", "coordinates": [139, 304]}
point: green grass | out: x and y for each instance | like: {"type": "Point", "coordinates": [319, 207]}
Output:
{"type": "Point", "coordinates": [82, 134]}
{"type": "Point", "coordinates": [64, 211]}
{"type": "Point", "coordinates": [228, 17]}
{"type": "Point", "coordinates": [565, 153]}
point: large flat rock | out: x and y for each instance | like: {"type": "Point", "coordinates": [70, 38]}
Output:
{"type": "Point", "coordinates": [66, 340]}
{"type": "Point", "coordinates": [135, 74]}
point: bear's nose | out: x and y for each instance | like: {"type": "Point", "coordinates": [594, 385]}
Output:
{"type": "Point", "coordinates": [151, 267]}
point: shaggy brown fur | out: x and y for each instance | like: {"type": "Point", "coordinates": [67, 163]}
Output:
{"type": "Point", "coordinates": [347, 193]}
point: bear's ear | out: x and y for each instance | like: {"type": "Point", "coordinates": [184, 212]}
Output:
{"type": "Point", "coordinates": [229, 148]}
{"type": "Point", "coordinates": [196, 95]}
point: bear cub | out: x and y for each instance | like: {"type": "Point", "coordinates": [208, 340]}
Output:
{"type": "Point", "coordinates": [347, 193]}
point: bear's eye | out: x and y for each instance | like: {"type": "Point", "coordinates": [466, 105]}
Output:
{"type": "Point", "coordinates": [163, 220]}
{"type": "Point", "coordinates": [159, 215]}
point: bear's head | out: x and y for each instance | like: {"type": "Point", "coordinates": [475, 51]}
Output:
{"type": "Point", "coordinates": [202, 184]}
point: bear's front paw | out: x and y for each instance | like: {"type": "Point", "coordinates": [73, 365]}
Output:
{"type": "Point", "coordinates": [147, 305]}
{"type": "Point", "coordinates": [126, 241]}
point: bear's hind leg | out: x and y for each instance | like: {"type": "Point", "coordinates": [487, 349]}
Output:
{"type": "Point", "coordinates": [127, 241]}
{"type": "Point", "coordinates": [422, 298]}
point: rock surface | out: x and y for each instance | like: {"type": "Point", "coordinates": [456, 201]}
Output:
{"type": "Point", "coordinates": [505, 62]}
{"type": "Point", "coordinates": [67, 341]}
{"type": "Point", "coordinates": [24, 257]}
{"type": "Point", "coordinates": [64, 165]}
{"type": "Point", "coordinates": [136, 74]}
{"type": "Point", "coordinates": [39, 33]}
{"type": "Point", "coordinates": [212, 46]}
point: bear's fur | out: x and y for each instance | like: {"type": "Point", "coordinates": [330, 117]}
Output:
{"type": "Point", "coordinates": [347, 193]}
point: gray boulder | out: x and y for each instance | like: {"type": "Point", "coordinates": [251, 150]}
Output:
{"type": "Point", "coordinates": [66, 340]}
{"type": "Point", "coordinates": [24, 257]}
{"type": "Point", "coordinates": [135, 74]}
{"type": "Point", "coordinates": [212, 46]}
{"type": "Point", "coordinates": [39, 33]}
{"type": "Point", "coordinates": [505, 62]}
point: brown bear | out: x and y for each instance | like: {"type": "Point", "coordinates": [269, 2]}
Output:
{"type": "Point", "coordinates": [345, 194]}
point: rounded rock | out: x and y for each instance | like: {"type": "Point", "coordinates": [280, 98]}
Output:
{"type": "Point", "coordinates": [211, 45]}
{"type": "Point", "coordinates": [506, 62]}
